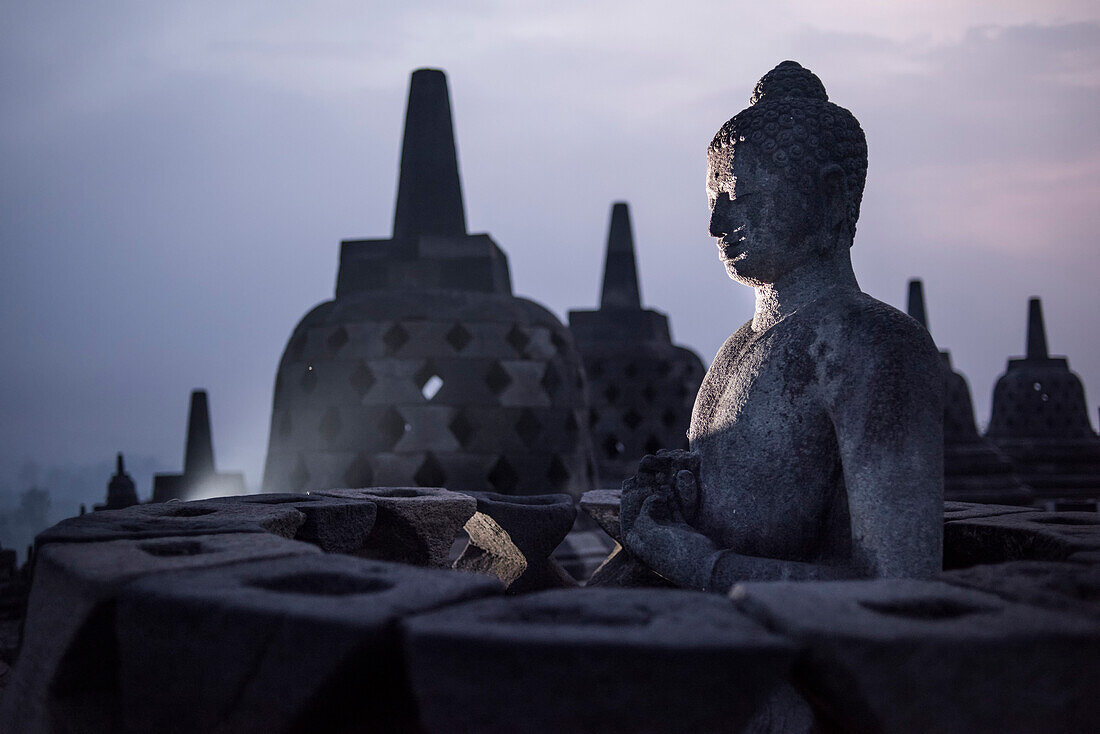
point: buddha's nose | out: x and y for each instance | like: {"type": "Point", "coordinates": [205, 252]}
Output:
{"type": "Point", "coordinates": [719, 216]}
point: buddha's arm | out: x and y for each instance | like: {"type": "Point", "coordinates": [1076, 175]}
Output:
{"type": "Point", "coordinates": [886, 404]}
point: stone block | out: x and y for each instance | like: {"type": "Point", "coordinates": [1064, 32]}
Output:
{"type": "Point", "coordinates": [414, 525]}
{"type": "Point", "coordinates": [300, 644]}
{"type": "Point", "coordinates": [606, 660]}
{"type": "Point", "coordinates": [1024, 536]}
{"type": "Point", "coordinates": [333, 524]}
{"type": "Point", "coordinates": [165, 519]}
{"type": "Point", "coordinates": [66, 676]}
{"type": "Point", "coordinates": [621, 568]}
{"type": "Point", "coordinates": [535, 526]}
{"type": "Point", "coordinates": [970, 510]}
{"type": "Point", "coordinates": [921, 656]}
{"type": "Point", "coordinates": [602, 505]}
{"type": "Point", "coordinates": [1066, 587]}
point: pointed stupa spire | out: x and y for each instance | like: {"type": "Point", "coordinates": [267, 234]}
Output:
{"type": "Point", "coordinates": [916, 302]}
{"type": "Point", "coordinates": [429, 193]}
{"type": "Point", "coordinates": [1036, 332]}
{"type": "Point", "coordinates": [620, 272]}
{"type": "Point", "coordinates": [199, 455]}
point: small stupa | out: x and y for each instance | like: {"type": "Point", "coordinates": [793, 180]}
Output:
{"type": "Point", "coordinates": [121, 490]}
{"type": "Point", "coordinates": [425, 370]}
{"type": "Point", "coordinates": [641, 386]}
{"type": "Point", "coordinates": [974, 469]}
{"type": "Point", "coordinates": [1040, 420]}
{"type": "Point", "coordinates": [199, 478]}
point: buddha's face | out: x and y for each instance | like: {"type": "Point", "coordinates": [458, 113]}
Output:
{"type": "Point", "coordinates": [763, 223]}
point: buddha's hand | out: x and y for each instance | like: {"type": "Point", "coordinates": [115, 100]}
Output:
{"type": "Point", "coordinates": [657, 506]}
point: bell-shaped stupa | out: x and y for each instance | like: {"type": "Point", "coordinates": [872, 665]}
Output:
{"type": "Point", "coordinates": [121, 490]}
{"type": "Point", "coordinates": [1040, 420]}
{"type": "Point", "coordinates": [425, 369]}
{"type": "Point", "coordinates": [641, 386]}
{"type": "Point", "coordinates": [974, 469]}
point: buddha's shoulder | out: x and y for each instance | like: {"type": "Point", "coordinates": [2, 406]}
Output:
{"type": "Point", "coordinates": [852, 325]}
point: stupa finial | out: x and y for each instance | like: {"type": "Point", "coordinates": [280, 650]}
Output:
{"type": "Point", "coordinates": [429, 192]}
{"type": "Point", "coordinates": [620, 271]}
{"type": "Point", "coordinates": [1036, 332]}
{"type": "Point", "coordinates": [199, 455]}
{"type": "Point", "coordinates": [916, 308]}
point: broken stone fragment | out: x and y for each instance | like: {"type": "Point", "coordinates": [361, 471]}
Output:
{"type": "Point", "coordinates": [534, 526]}
{"type": "Point", "coordinates": [621, 568]}
{"type": "Point", "coordinates": [606, 660]}
{"type": "Point", "coordinates": [415, 525]}
{"type": "Point", "coordinates": [333, 524]}
{"type": "Point", "coordinates": [901, 655]}
{"type": "Point", "coordinates": [1023, 536]}
{"type": "Point", "coordinates": [164, 519]}
{"type": "Point", "coordinates": [66, 677]}
{"type": "Point", "coordinates": [299, 644]}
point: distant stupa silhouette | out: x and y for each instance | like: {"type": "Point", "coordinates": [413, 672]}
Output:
{"type": "Point", "coordinates": [425, 369]}
{"type": "Point", "coordinates": [121, 491]}
{"type": "Point", "coordinates": [641, 386]}
{"type": "Point", "coordinates": [1040, 420]}
{"type": "Point", "coordinates": [199, 477]}
{"type": "Point", "coordinates": [974, 469]}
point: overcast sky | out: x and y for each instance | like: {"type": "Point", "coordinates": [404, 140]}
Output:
{"type": "Point", "coordinates": [176, 179]}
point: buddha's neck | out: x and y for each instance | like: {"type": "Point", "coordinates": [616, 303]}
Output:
{"type": "Point", "coordinates": [805, 284]}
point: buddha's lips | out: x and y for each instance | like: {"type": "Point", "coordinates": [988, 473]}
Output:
{"type": "Point", "coordinates": [730, 251]}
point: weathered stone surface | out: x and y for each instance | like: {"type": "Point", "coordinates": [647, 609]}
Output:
{"type": "Point", "coordinates": [66, 677]}
{"type": "Point", "coordinates": [598, 660]}
{"type": "Point", "coordinates": [918, 656]}
{"type": "Point", "coordinates": [490, 550]}
{"type": "Point", "coordinates": [414, 525]}
{"type": "Point", "coordinates": [1065, 587]}
{"type": "Point", "coordinates": [333, 524]}
{"type": "Point", "coordinates": [535, 525]}
{"type": "Point", "coordinates": [970, 510]}
{"type": "Point", "coordinates": [165, 519]}
{"type": "Point", "coordinates": [1022, 536]}
{"type": "Point", "coordinates": [817, 432]}
{"type": "Point", "coordinates": [302, 644]}
{"type": "Point", "coordinates": [602, 505]}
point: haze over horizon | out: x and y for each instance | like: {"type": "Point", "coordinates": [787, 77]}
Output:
{"type": "Point", "coordinates": [177, 182]}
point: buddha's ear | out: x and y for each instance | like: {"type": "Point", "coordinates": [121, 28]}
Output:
{"type": "Point", "coordinates": [834, 197]}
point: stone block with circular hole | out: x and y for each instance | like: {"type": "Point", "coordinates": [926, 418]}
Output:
{"type": "Point", "coordinates": [333, 524]}
{"type": "Point", "coordinates": [920, 656]}
{"type": "Point", "coordinates": [66, 675]}
{"type": "Point", "coordinates": [534, 525]}
{"type": "Point", "coordinates": [1024, 536]}
{"type": "Point", "coordinates": [621, 568]}
{"type": "Point", "coordinates": [414, 525]}
{"type": "Point", "coordinates": [1073, 588]}
{"type": "Point", "coordinates": [301, 644]}
{"type": "Point", "coordinates": [604, 660]}
{"type": "Point", "coordinates": [163, 519]}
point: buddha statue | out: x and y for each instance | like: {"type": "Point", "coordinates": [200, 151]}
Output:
{"type": "Point", "coordinates": [817, 435]}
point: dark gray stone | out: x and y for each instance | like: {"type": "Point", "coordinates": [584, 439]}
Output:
{"type": "Point", "coordinates": [1040, 420]}
{"type": "Point", "coordinates": [333, 524]}
{"type": "Point", "coordinates": [621, 568]}
{"type": "Point", "coordinates": [918, 656]}
{"type": "Point", "coordinates": [1064, 587]}
{"type": "Point", "coordinates": [1021, 536]}
{"type": "Point", "coordinates": [968, 510]}
{"type": "Point", "coordinates": [602, 505]}
{"type": "Point", "coordinates": [199, 478]}
{"type": "Point", "coordinates": [974, 469]}
{"type": "Point", "coordinates": [640, 385]}
{"type": "Point", "coordinates": [66, 677]}
{"type": "Point", "coordinates": [414, 525]}
{"type": "Point", "coordinates": [535, 525]}
{"type": "Point", "coordinates": [164, 519]}
{"type": "Point", "coordinates": [817, 434]}
{"type": "Point", "coordinates": [302, 644]}
{"type": "Point", "coordinates": [425, 370]}
{"type": "Point", "coordinates": [597, 660]}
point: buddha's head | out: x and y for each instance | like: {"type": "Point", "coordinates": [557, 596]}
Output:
{"type": "Point", "coordinates": [785, 178]}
